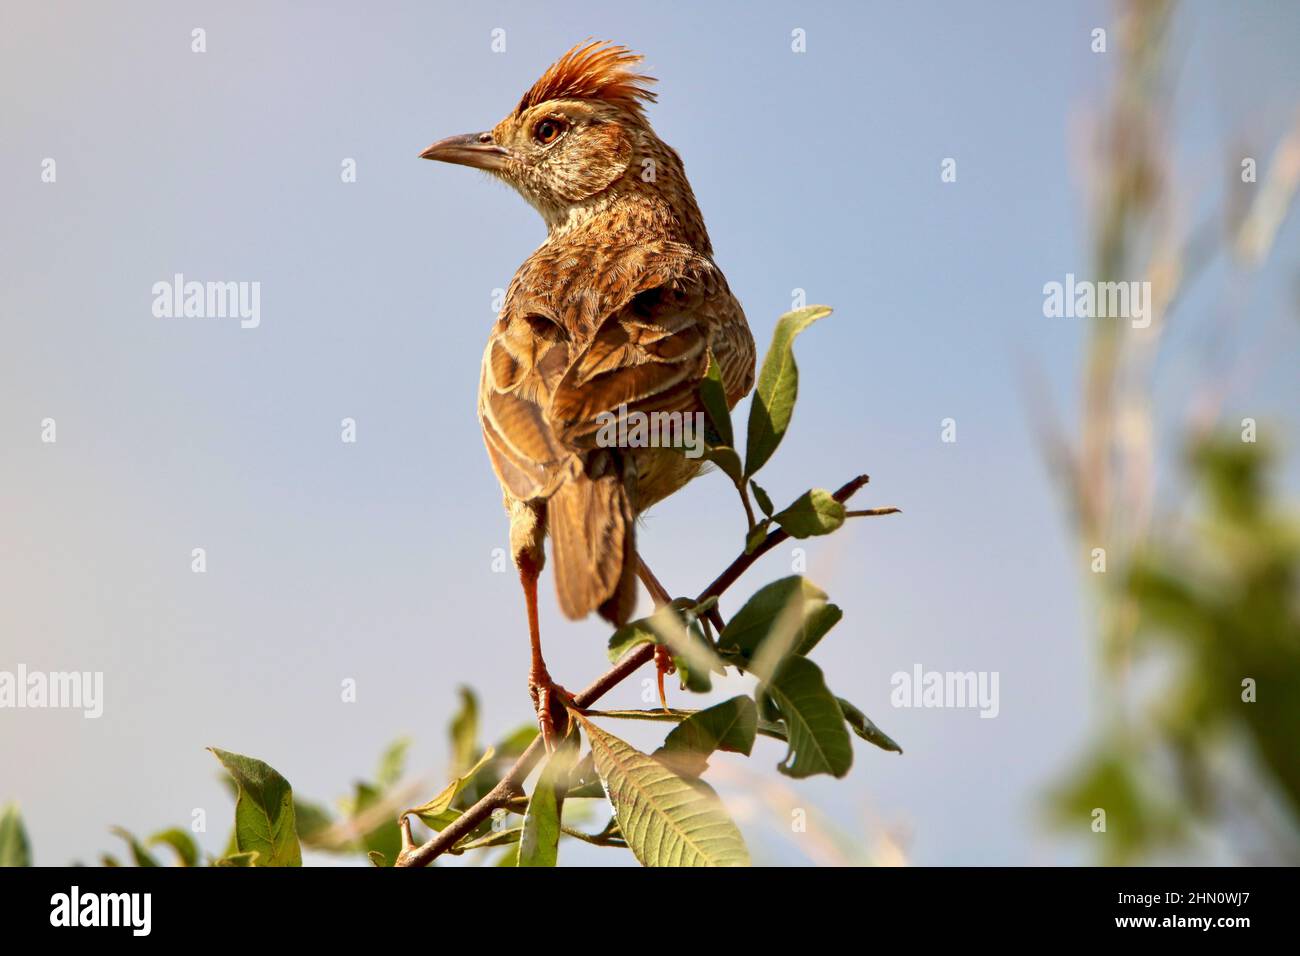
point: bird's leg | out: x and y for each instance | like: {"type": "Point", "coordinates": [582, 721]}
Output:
{"type": "Point", "coordinates": [663, 657]}
{"type": "Point", "coordinates": [548, 696]}
{"type": "Point", "coordinates": [663, 666]}
{"type": "Point", "coordinates": [657, 590]}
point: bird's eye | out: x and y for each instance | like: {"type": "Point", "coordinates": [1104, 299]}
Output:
{"type": "Point", "coordinates": [548, 131]}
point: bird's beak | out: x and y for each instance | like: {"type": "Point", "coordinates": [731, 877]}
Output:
{"type": "Point", "coordinates": [472, 149]}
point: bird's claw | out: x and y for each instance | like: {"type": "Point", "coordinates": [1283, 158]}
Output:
{"type": "Point", "coordinates": [552, 702]}
{"type": "Point", "coordinates": [664, 666]}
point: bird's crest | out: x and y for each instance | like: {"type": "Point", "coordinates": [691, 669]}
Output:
{"type": "Point", "coordinates": [593, 70]}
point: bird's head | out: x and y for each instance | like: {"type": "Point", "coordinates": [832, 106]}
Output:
{"type": "Point", "coordinates": [580, 133]}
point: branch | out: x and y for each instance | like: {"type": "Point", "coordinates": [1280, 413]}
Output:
{"type": "Point", "coordinates": [512, 784]}
{"type": "Point", "coordinates": [604, 838]}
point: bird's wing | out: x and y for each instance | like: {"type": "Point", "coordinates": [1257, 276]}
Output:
{"type": "Point", "coordinates": [732, 345]}
{"type": "Point", "coordinates": [638, 337]}
{"type": "Point", "coordinates": [650, 355]}
{"type": "Point", "coordinates": [526, 356]}
{"type": "Point", "coordinates": [555, 305]}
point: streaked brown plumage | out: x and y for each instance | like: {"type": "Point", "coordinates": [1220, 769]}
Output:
{"type": "Point", "coordinates": [620, 306]}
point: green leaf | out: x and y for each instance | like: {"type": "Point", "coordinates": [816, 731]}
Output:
{"type": "Point", "coordinates": [788, 616]}
{"type": "Point", "coordinates": [818, 620]}
{"type": "Point", "coordinates": [714, 396]}
{"type": "Point", "coordinates": [762, 498]}
{"type": "Point", "coordinates": [587, 790]}
{"type": "Point", "coordinates": [727, 460]}
{"type": "Point", "coordinates": [515, 742]}
{"type": "Point", "coordinates": [609, 836]}
{"type": "Point", "coordinates": [756, 535]}
{"type": "Point", "coordinates": [15, 850]}
{"type": "Point", "coordinates": [694, 658]}
{"type": "Point", "coordinates": [239, 859]}
{"type": "Point", "coordinates": [508, 858]}
{"type": "Point", "coordinates": [139, 854]}
{"type": "Point", "coordinates": [676, 628]}
{"type": "Point", "coordinates": [507, 837]}
{"type": "Point", "coordinates": [672, 716]}
{"type": "Point", "coordinates": [631, 635]}
{"type": "Point", "coordinates": [312, 822]}
{"type": "Point", "coordinates": [440, 821]}
{"type": "Point", "coordinates": [464, 731]}
{"type": "Point", "coordinates": [665, 819]}
{"type": "Point", "coordinates": [818, 739]}
{"type": "Point", "coordinates": [264, 817]}
{"type": "Point", "coordinates": [485, 777]}
{"type": "Point", "coordinates": [730, 725]}
{"type": "Point", "coordinates": [1139, 819]}
{"type": "Point", "coordinates": [434, 813]}
{"type": "Point", "coordinates": [232, 845]}
{"type": "Point", "coordinates": [864, 728]}
{"type": "Point", "coordinates": [384, 837]}
{"type": "Point", "coordinates": [187, 851]}
{"type": "Point", "coordinates": [778, 387]}
{"type": "Point", "coordinates": [392, 763]}
{"type": "Point", "coordinates": [812, 513]}
{"type": "Point", "coordinates": [539, 843]}
{"type": "Point", "coordinates": [772, 728]}
{"type": "Point", "coordinates": [584, 782]}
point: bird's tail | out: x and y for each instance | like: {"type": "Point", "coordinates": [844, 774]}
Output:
{"type": "Point", "coordinates": [593, 532]}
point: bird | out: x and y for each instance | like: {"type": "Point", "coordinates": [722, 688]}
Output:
{"type": "Point", "coordinates": [617, 312]}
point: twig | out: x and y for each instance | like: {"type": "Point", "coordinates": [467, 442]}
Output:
{"type": "Point", "coordinates": [605, 838]}
{"type": "Point", "coordinates": [345, 834]}
{"type": "Point", "coordinates": [512, 783]}
{"type": "Point", "coordinates": [749, 509]}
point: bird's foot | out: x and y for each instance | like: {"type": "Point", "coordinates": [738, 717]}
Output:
{"type": "Point", "coordinates": [664, 665]}
{"type": "Point", "coordinates": [552, 702]}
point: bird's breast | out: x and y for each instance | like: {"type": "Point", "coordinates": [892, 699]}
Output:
{"type": "Point", "coordinates": [661, 472]}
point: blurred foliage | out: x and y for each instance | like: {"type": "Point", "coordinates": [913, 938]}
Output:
{"type": "Point", "coordinates": [1231, 600]}
{"type": "Point", "coordinates": [1218, 602]}
{"type": "Point", "coordinates": [1196, 610]}
{"type": "Point", "coordinates": [14, 847]}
